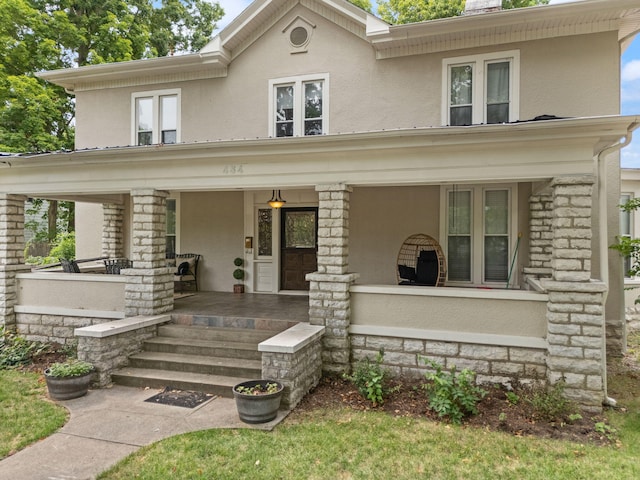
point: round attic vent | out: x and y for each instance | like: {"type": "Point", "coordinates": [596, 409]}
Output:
{"type": "Point", "coordinates": [298, 36]}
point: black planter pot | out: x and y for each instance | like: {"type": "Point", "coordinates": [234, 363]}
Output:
{"type": "Point", "coordinates": [257, 408]}
{"type": "Point", "coordinates": [66, 388]}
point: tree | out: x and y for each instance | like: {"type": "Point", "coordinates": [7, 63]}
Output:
{"type": "Point", "coordinates": [409, 11]}
{"type": "Point", "coordinates": [630, 247]}
{"type": "Point", "coordinates": [37, 35]}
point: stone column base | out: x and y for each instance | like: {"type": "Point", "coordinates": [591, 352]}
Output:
{"type": "Point", "coordinates": [148, 291]}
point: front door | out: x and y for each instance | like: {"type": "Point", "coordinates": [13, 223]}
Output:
{"type": "Point", "coordinates": [299, 246]}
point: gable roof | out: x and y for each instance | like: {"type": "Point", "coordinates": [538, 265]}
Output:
{"type": "Point", "coordinates": [506, 26]}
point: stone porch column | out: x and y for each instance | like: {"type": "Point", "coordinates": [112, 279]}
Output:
{"type": "Point", "coordinates": [149, 288]}
{"type": "Point", "coordinates": [575, 311]}
{"type": "Point", "coordinates": [329, 290]}
{"type": "Point", "coordinates": [540, 234]}
{"type": "Point", "coordinates": [112, 230]}
{"type": "Point", "coordinates": [11, 254]}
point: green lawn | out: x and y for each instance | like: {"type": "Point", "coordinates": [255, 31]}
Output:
{"type": "Point", "coordinates": [345, 444]}
{"type": "Point", "coordinates": [25, 414]}
{"type": "Point", "coordinates": [363, 445]}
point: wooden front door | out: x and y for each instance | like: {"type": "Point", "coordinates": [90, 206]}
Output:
{"type": "Point", "coordinates": [299, 246]}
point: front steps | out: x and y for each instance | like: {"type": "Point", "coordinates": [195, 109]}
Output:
{"type": "Point", "coordinates": [197, 357]}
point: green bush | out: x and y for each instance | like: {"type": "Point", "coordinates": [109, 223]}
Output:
{"type": "Point", "coordinates": [64, 246]}
{"type": "Point", "coordinates": [452, 394]}
{"type": "Point", "coordinates": [372, 379]}
{"type": "Point", "coordinates": [549, 402]}
{"type": "Point", "coordinates": [16, 350]}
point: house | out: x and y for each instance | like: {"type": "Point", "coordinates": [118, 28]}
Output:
{"type": "Point", "coordinates": [630, 227]}
{"type": "Point", "coordinates": [494, 134]}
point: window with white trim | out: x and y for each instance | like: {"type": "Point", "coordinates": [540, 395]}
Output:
{"type": "Point", "coordinates": [481, 89]}
{"type": "Point", "coordinates": [478, 227]}
{"type": "Point", "coordinates": [626, 226]}
{"type": "Point", "coordinates": [298, 106]}
{"type": "Point", "coordinates": [156, 117]}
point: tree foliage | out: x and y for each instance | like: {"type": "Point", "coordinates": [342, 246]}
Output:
{"type": "Point", "coordinates": [37, 35]}
{"type": "Point", "coordinates": [410, 11]}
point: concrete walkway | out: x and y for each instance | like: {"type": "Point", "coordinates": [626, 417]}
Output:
{"type": "Point", "coordinates": [107, 425]}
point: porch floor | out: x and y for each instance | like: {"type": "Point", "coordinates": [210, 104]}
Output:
{"type": "Point", "coordinates": [248, 305]}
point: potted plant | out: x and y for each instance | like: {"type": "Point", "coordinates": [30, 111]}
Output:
{"type": "Point", "coordinates": [238, 274]}
{"type": "Point", "coordinates": [67, 380]}
{"type": "Point", "coordinates": [258, 401]}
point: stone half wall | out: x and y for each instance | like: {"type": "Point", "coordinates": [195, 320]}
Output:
{"type": "Point", "coordinates": [37, 327]}
{"type": "Point", "coordinates": [492, 364]}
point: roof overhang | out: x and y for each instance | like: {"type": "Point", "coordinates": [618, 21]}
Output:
{"type": "Point", "coordinates": [527, 151]}
{"type": "Point", "coordinates": [521, 24]}
{"type": "Point", "coordinates": [506, 26]}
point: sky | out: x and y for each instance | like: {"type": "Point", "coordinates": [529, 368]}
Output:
{"type": "Point", "coordinates": [630, 77]}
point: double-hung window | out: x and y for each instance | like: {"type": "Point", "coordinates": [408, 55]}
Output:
{"type": "Point", "coordinates": [156, 117]}
{"type": "Point", "coordinates": [477, 224]}
{"type": "Point", "coordinates": [298, 106]}
{"type": "Point", "coordinates": [481, 89]}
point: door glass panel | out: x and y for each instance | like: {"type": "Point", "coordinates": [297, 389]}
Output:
{"type": "Point", "coordinates": [300, 229]}
{"type": "Point", "coordinates": [264, 232]}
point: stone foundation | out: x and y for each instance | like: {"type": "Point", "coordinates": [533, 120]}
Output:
{"type": "Point", "coordinates": [53, 328]}
{"type": "Point", "coordinates": [492, 364]}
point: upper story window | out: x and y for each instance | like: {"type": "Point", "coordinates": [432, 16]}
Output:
{"type": "Point", "coordinates": [481, 89]}
{"type": "Point", "coordinates": [156, 117]}
{"type": "Point", "coordinates": [298, 106]}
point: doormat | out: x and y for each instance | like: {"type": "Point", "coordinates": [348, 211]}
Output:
{"type": "Point", "coordinates": [180, 398]}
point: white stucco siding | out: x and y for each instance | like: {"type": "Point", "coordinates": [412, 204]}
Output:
{"type": "Point", "coordinates": [486, 312]}
{"type": "Point", "coordinates": [88, 230]}
{"type": "Point", "coordinates": [380, 219]}
{"type": "Point", "coordinates": [211, 224]}
{"type": "Point", "coordinates": [364, 93]}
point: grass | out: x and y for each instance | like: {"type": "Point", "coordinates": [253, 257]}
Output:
{"type": "Point", "coordinates": [345, 444]}
{"type": "Point", "coordinates": [25, 414]}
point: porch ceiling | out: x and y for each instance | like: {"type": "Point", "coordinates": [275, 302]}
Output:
{"type": "Point", "coordinates": [515, 152]}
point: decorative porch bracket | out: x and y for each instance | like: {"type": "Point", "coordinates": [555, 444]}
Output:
{"type": "Point", "coordinates": [11, 254]}
{"type": "Point", "coordinates": [149, 289]}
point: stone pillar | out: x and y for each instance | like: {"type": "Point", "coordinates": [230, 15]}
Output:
{"type": "Point", "coordinates": [11, 254]}
{"type": "Point", "coordinates": [149, 288]}
{"type": "Point", "coordinates": [329, 290]}
{"type": "Point", "coordinates": [540, 234]}
{"type": "Point", "coordinates": [112, 230]}
{"type": "Point", "coordinates": [575, 311]}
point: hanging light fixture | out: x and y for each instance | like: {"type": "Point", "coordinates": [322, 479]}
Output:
{"type": "Point", "coordinates": [276, 200]}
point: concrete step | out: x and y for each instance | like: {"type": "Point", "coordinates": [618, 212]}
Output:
{"type": "Point", "coordinates": [215, 384]}
{"type": "Point", "coordinates": [197, 332]}
{"type": "Point", "coordinates": [210, 348]}
{"type": "Point", "coordinates": [233, 367]}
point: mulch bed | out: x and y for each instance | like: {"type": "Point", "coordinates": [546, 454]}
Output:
{"type": "Point", "coordinates": [495, 411]}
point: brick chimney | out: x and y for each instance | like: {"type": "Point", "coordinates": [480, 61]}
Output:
{"type": "Point", "coordinates": [473, 7]}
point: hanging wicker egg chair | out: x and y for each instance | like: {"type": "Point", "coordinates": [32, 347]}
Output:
{"type": "Point", "coordinates": [421, 261]}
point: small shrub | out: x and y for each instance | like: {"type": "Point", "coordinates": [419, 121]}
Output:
{"type": "Point", "coordinates": [64, 246]}
{"type": "Point", "coordinates": [549, 402]}
{"type": "Point", "coordinates": [512, 398]}
{"type": "Point", "coordinates": [371, 379]}
{"type": "Point", "coordinates": [606, 430]}
{"type": "Point", "coordinates": [16, 350]}
{"type": "Point", "coordinates": [72, 368]}
{"type": "Point", "coordinates": [452, 394]}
